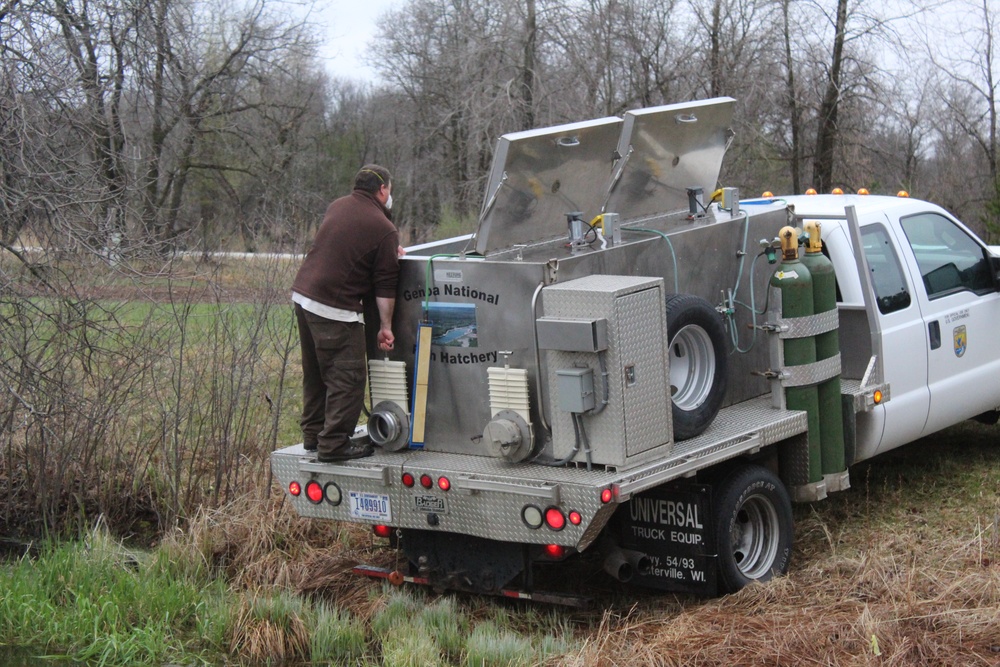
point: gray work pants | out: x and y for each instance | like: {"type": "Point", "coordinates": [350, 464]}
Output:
{"type": "Point", "coordinates": [333, 380]}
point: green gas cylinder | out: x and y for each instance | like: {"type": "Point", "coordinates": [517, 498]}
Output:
{"type": "Point", "coordinates": [831, 423]}
{"type": "Point", "coordinates": [793, 280]}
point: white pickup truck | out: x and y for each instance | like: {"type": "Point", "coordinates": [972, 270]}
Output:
{"type": "Point", "coordinates": [612, 366]}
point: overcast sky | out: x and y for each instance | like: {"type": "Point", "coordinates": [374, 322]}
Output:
{"type": "Point", "coordinates": [347, 28]}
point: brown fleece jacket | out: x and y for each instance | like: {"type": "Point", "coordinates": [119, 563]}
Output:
{"type": "Point", "coordinates": [354, 253]}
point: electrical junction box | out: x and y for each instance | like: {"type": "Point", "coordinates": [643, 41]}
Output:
{"type": "Point", "coordinates": [635, 425]}
{"type": "Point", "coordinates": [576, 389]}
{"type": "Point", "coordinates": [731, 201]}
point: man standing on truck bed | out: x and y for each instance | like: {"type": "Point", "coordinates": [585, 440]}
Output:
{"type": "Point", "coordinates": [355, 253]}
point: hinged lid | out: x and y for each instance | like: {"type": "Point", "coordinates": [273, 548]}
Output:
{"type": "Point", "coordinates": [538, 176]}
{"type": "Point", "coordinates": [666, 150]}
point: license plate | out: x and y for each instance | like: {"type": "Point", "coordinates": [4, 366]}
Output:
{"type": "Point", "coordinates": [374, 506]}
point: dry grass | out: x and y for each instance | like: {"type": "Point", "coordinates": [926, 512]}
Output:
{"type": "Point", "coordinates": [261, 543]}
{"type": "Point", "coordinates": [269, 630]}
{"type": "Point", "coordinates": [873, 612]}
{"type": "Point", "coordinates": [904, 569]}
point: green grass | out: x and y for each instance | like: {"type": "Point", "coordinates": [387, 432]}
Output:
{"type": "Point", "coordinates": [414, 631]}
{"type": "Point", "coordinates": [97, 602]}
{"type": "Point", "coordinates": [337, 637]}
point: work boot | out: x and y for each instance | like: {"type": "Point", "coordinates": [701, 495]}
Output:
{"type": "Point", "coordinates": [353, 450]}
{"type": "Point", "coordinates": [360, 436]}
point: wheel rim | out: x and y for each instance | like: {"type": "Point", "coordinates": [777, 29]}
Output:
{"type": "Point", "coordinates": [692, 367]}
{"type": "Point", "coordinates": [754, 537]}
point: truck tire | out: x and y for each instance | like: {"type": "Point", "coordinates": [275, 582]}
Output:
{"type": "Point", "coordinates": [753, 526]}
{"type": "Point", "coordinates": [698, 363]}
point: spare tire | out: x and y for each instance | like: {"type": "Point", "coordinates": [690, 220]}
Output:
{"type": "Point", "coordinates": [698, 363]}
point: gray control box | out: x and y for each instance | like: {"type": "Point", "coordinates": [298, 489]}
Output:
{"type": "Point", "coordinates": [575, 387]}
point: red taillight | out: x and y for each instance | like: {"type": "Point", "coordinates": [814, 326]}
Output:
{"type": "Point", "coordinates": [606, 496]}
{"type": "Point", "coordinates": [295, 489]}
{"type": "Point", "coordinates": [408, 480]}
{"type": "Point", "coordinates": [575, 518]}
{"type": "Point", "coordinates": [555, 519]}
{"type": "Point", "coordinates": [443, 483]}
{"type": "Point", "coordinates": [314, 492]}
{"type": "Point", "coordinates": [555, 551]}
{"type": "Point", "coordinates": [382, 531]}
{"type": "Point", "coordinates": [426, 481]}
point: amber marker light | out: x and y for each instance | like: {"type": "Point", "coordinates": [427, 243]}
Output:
{"type": "Point", "coordinates": [863, 191]}
{"type": "Point", "coordinates": [767, 193]}
{"type": "Point", "coordinates": [902, 193]}
{"type": "Point", "coordinates": [877, 396]}
{"type": "Point", "coordinates": [811, 191]}
{"type": "Point", "coordinates": [837, 191]}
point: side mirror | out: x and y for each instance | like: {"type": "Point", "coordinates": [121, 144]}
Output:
{"type": "Point", "coordinates": [995, 270]}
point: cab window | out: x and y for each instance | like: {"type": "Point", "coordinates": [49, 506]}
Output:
{"type": "Point", "coordinates": [891, 293]}
{"type": "Point", "coordinates": [949, 259]}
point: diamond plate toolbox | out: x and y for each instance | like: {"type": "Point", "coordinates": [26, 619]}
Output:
{"type": "Point", "coordinates": [635, 426]}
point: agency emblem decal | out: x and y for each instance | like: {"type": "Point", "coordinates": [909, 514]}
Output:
{"type": "Point", "coordinates": [961, 340]}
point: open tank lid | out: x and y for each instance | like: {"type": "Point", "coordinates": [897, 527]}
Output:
{"type": "Point", "coordinates": [664, 151]}
{"type": "Point", "coordinates": [538, 176]}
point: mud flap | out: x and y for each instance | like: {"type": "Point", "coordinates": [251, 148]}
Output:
{"type": "Point", "coordinates": [672, 526]}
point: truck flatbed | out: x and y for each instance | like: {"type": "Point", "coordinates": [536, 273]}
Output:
{"type": "Point", "coordinates": [738, 430]}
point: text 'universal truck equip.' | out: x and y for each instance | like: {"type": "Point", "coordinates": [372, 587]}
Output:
{"type": "Point", "coordinates": [625, 362]}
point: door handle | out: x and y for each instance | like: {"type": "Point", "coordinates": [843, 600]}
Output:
{"type": "Point", "coordinates": [934, 334]}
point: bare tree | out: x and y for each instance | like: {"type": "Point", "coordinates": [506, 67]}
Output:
{"type": "Point", "coordinates": [458, 64]}
{"type": "Point", "coordinates": [970, 73]}
{"type": "Point", "coordinates": [529, 64]}
{"type": "Point", "coordinates": [792, 102]}
{"type": "Point", "coordinates": [829, 108]}
{"type": "Point", "coordinates": [154, 93]}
